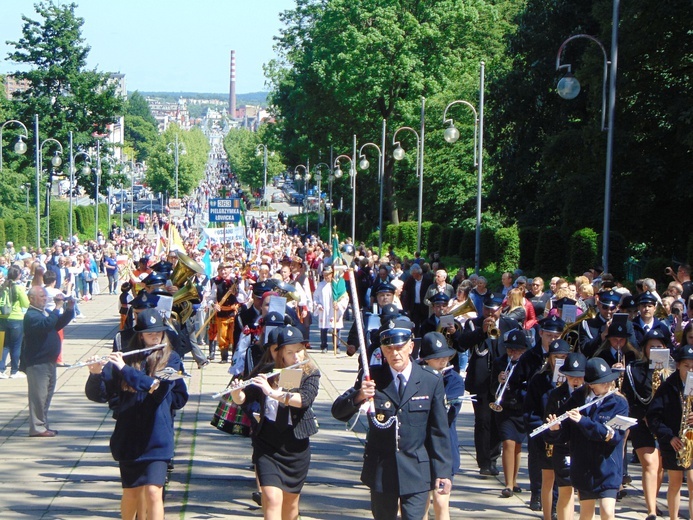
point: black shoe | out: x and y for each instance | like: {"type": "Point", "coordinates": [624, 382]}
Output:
{"type": "Point", "coordinates": [517, 489]}
{"type": "Point", "coordinates": [257, 498]}
{"type": "Point", "coordinates": [535, 503]}
{"type": "Point", "coordinates": [651, 517]}
{"type": "Point", "coordinates": [622, 493]}
{"type": "Point", "coordinates": [507, 493]}
{"type": "Point", "coordinates": [627, 479]}
{"type": "Point", "coordinates": [494, 470]}
{"type": "Point", "coordinates": [323, 350]}
{"type": "Point", "coordinates": [485, 472]}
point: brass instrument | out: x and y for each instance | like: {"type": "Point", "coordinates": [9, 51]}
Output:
{"type": "Point", "coordinates": [463, 308]}
{"type": "Point", "coordinates": [657, 377]}
{"type": "Point", "coordinates": [619, 359]}
{"type": "Point", "coordinates": [496, 405]}
{"type": "Point", "coordinates": [571, 334]}
{"type": "Point", "coordinates": [233, 291]}
{"type": "Point", "coordinates": [494, 333]}
{"type": "Point", "coordinates": [182, 298]}
{"type": "Point", "coordinates": [185, 269]}
{"type": "Point", "coordinates": [684, 456]}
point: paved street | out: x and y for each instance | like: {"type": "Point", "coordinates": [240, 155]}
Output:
{"type": "Point", "coordinates": [74, 476]}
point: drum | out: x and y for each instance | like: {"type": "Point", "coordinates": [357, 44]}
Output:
{"type": "Point", "coordinates": [230, 418]}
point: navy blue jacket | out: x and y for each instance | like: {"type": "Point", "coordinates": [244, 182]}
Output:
{"type": "Point", "coordinates": [664, 413]}
{"type": "Point", "coordinates": [144, 421]}
{"type": "Point", "coordinates": [41, 340]}
{"type": "Point", "coordinates": [424, 442]}
{"type": "Point", "coordinates": [596, 465]}
{"type": "Point", "coordinates": [656, 324]}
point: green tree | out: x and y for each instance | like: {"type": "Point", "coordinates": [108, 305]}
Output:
{"type": "Point", "coordinates": [64, 94]}
{"type": "Point", "coordinates": [344, 67]}
{"type": "Point", "coordinates": [246, 161]}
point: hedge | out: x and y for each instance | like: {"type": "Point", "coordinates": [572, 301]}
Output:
{"type": "Point", "coordinates": [444, 241]}
{"type": "Point", "coordinates": [425, 230]}
{"type": "Point", "coordinates": [407, 236]}
{"type": "Point", "coordinates": [551, 252]}
{"type": "Point", "coordinates": [508, 248]}
{"type": "Point", "coordinates": [434, 233]}
{"type": "Point", "coordinates": [488, 252]}
{"type": "Point", "coordinates": [618, 247]}
{"type": "Point", "coordinates": [583, 251]}
{"type": "Point", "coordinates": [529, 237]}
{"type": "Point", "coordinates": [2, 233]}
{"type": "Point", "coordinates": [391, 234]}
{"type": "Point", "coordinates": [466, 246]}
{"type": "Point", "coordinates": [456, 237]}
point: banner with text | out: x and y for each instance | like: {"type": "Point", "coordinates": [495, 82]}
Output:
{"type": "Point", "coordinates": [225, 210]}
{"type": "Point", "coordinates": [233, 234]}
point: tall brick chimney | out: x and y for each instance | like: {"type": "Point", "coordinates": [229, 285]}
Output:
{"type": "Point", "coordinates": [232, 87]}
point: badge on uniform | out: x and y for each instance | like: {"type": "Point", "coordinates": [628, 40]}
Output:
{"type": "Point", "coordinates": [380, 417]}
{"type": "Point", "coordinates": [419, 397]}
{"type": "Point", "coordinates": [387, 404]}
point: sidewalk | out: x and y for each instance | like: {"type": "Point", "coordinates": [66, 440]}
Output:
{"type": "Point", "coordinates": [74, 476]}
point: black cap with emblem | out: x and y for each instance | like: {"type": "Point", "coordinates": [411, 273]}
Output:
{"type": "Point", "coordinates": [434, 346]}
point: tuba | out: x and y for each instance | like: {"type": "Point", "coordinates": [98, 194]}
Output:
{"type": "Point", "coordinates": [660, 312]}
{"type": "Point", "coordinates": [183, 297]}
{"type": "Point", "coordinates": [684, 456]}
{"type": "Point", "coordinates": [185, 269]}
{"type": "Point", "coordinates": [571, 334]}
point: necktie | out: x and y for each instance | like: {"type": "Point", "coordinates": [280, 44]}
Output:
{"type": "Point", "coordinates": [647, 328]}
{"type": "Point", "coordinates": [402, 384]}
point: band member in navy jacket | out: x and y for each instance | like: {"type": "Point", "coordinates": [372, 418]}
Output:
{"type": "Point", "coordinates": [596, 449]}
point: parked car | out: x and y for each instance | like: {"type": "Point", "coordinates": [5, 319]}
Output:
{"type": "Point", "coordinates": [278, 196]}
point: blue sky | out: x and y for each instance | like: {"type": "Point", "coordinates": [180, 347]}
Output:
{"type": "Point", "coordinates": [168, 45]}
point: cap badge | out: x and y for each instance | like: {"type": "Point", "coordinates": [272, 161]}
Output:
{"type": "Point", "coordinates": [576, 363]}
{"type": "Point", "coordinates": [620, 329]}
{"type": "Point", "coordinates": [152, 320]}
{"type": "Point", "coordinates": [602, 368]}
{"type": "Point", "coordinates": [289, 333]}
{"type": "Point", "coordinates": [391, 325]}
{"type": "Point", "coordinates": [438, 343]}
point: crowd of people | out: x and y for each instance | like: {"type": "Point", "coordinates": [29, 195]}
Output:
{"type": "Point", "coordinates": [582, 353]}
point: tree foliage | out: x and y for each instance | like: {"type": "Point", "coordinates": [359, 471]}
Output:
{"type": "Point", "coordinates": [344, 67]}
{"type": "Point", "coordinates": [66, 96]}
{"type": "Point", "coordinates": [246, 157]}
{"type": "Point", "coordinates": [141, 129]}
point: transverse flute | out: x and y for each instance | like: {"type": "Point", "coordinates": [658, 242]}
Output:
{"type": "Point", "coordinates": [250, 381]}
{"type": "Point", "coordinates": [564, 416]}
{"type": "Point", "coordinates": [126, 354]}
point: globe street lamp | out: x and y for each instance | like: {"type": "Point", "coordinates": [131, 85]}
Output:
{"type": "Point", "coordinates": [318, 179]}
{"type": "Point", "coordinates": [258, 151]}
{"type": "Point", "coordinates": [569, 88]}
{"type": "Point", "coordinates": [364, 165]}
{"type": "Point", "coordinates": [177, 149]}
{"type": "Point", "coordinates": [86, 170]}
{"type": "Point", "coordinates": [305, 178]}
{"type": "Point", "coordinates": [334, 174]}
{"type": "Point", "coordinates": [352, 176]}
{"type": "Point", "coordinates": [131, 167]}
{"type": "Point", "coordinates": [398, 153]}
{"type": "Point", "coordinates": [56, 161]}
{"type": "Point", "coordinates": [452, 134]}
{"type": "Point", "coordinates": [20, 145]}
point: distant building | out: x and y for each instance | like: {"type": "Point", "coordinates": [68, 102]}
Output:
{"type": "Point", "coordinates": [13, 85]}
{"type": "Point", "coordinates": [116, 131]}
{"type": "Point", "coordinates": [166, 112]}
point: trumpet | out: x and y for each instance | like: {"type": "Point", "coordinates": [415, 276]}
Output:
{"type": "Point", "coordinates": [250, 381]}
{"type": "Point", "coordinates": [126, 354]}
{"type": "Point", "coordinates": [496, 405]}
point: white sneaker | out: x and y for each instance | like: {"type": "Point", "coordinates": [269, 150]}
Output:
{"type": "Point", "coordinates": [3, 375]}
{"type": "Point", "coordinates": [18, 375]}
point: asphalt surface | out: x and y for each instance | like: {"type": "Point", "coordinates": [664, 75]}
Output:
{"type": "Point", "coordinates": [74, 476]}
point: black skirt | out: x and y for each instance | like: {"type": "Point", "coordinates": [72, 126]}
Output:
{"type": "Point", "coordinates": [282, 466]}
{"type": "Point", "coordinates": [510, 426]}
{"type": "Point", "coordinates": [136, 474]}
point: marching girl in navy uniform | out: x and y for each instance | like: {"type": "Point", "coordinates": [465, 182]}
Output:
{"type": "Point", "coordinates": [142, 441]}
{"type": "Point", "coordinates": [508, 407]}
{"type": "Point", "coordinates": [534, 413]}
{"type": "Point", "coordinates": [436, 353]}
{"type": "Point", "coordinates": [617, 350]}
{"type": "Point", "coordinates": [574, 371]}
{"type": "Point", "coordinates": [281, 443]}
{"type": "Point", "coordinates": [666, 422]}
{"type": "Point", "coordinates": [596, 449]}
{"type": "Point", "coordinates": [639, 386]}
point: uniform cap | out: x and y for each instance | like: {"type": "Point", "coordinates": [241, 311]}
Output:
{"type": "Point", "coordinates": [574, 365]}
{"type": "Point", "coordinates": [434, 346]}
{"type": "Point", "coordinates": [598, 371]}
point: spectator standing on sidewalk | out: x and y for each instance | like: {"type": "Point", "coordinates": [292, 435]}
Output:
{"type": "Point", "coordinates": [39, 355]}
{"type": "Point", "coordinates": [12, 323]}
{"type": "Point", "coordinates": [111, 265]}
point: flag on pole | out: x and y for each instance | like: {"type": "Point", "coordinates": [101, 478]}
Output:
{"type": "Point", "coordinates": [338, 284]}
{"type": "Point", "coordinates": [203, 242]}
{"type": "Point", "coordinates": [207, 263]}
{"type": "Point", "coordinates": [176, 243]}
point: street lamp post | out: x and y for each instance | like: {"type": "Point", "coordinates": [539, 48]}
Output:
{"type": "Point", "coordinates": [121, 207]}
{"type": "Point", "coordinates": [132, 166]}
{"type": "Point", "coordinates": [364, 165]}
{"type": "Point", "coordinates": [452, 134]}
{"type": "Point", "coordinates": [398, 153]}
{"type": "Point", "coordinates": [318, 179]}
{"type": "Point", "coordinates": [56, 161]}
{"type": "Point", "coordinates": [97, 182]}
{"type": "Point", "coordinates": [86, 170]}
{"type": "Point", "coordinates": [569, 87]}
{"type": "Point", "coordinates": [20, 145]}
{"type": "Point", "coordinates": [352, 175]}
{"type": "Point", "coordinates": [264, 189]}
{"type": "Point", "coordinates": [177, 149]}
{"type": "Point", "coordinates": [27, 188]}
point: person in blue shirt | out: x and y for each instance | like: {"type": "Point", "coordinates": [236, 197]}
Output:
{"type": "Point", "coordinates": [436, 353]}
{"type": "Point", "coordinates": [143, 402]}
